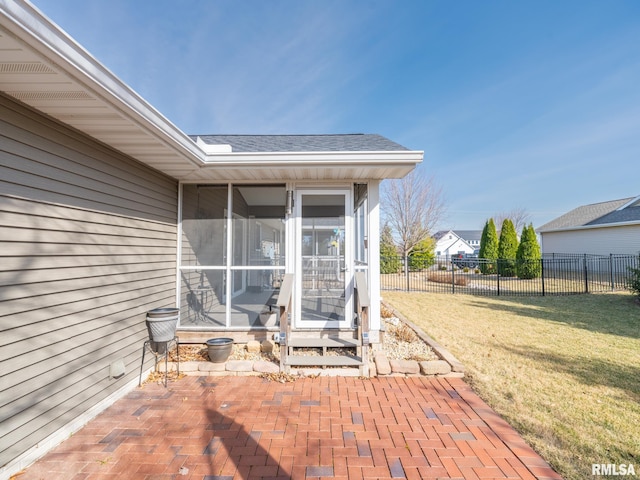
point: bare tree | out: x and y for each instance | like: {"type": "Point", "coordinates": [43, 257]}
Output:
{"type": "Point", "coordinates": [518, 216]}
{"type": "Point", "coordinates": [412, 206]}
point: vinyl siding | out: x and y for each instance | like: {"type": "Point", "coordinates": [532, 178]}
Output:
{"type": "Point", "coordinates": [87, 247]}
{"type": "Point", "coordinates": [595, 241]}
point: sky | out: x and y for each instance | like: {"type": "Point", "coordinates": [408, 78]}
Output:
{"type": "Point", "coordinates": [529, 105]}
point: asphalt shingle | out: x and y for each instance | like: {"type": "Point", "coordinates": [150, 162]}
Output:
{"type": "Point", "coordinates": [586, 215]}
{"type": "Point", "coordinates": [354, 142]}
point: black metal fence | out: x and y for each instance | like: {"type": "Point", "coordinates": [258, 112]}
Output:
{"type": "Point", "coordinates": [554, 274]}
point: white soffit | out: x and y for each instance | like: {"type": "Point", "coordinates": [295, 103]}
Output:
{"type": "Point", "coordinates": [43, 67]}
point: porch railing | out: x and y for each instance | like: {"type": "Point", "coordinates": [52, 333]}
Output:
{"type": "Point", "coordinates": [284, 308]}
{"type": "Point", "coordinates": [362, 304]}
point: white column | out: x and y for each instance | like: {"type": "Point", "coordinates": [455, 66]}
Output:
{"type": "Point", "coordinates": [373, 236]}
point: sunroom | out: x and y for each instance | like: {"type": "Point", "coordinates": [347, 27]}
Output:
{"type": "Point", "coordinates": [308, 209]}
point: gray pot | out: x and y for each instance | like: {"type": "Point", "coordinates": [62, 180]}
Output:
{"type": "Point", "coordinates": [162, 324]}
{"type": "Point", "coordinates": [219, 349]}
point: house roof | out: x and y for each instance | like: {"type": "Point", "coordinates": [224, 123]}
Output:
{"type": "Point", "coordinates": [629, 213]}
{"type": "Point", "coordinates": [43, 67]}
{"type": "Point", "coordinates": [466, 235]}
{"type": "Point", "coordinates": [354, 142]}
{"type": "Point", "coordinates": [441, 233]}
{"type": "Point", "coordinates": [469, 235]}
{"type": "Point", "coordinates": [596, 214]}
{"type": "Point", "coordinates": [446, 244]}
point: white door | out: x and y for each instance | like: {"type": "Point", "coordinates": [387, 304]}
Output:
{"type": "Point", "coordinates": [324, 267]}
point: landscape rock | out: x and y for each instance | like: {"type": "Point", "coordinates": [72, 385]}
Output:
{"type": "Point", "coordinates": [210, 367]}
{"type": "Point", "coordinates": [435, 367]}
{"type": "Point", "coordinates": [267, 346]}
{"type": "Point", "coordinates": [239, 366]}
{"type": "Point", "coordinates": [410, 367]}
{"type": "Point", "coordinates": [253, 346]}
{"type": "Point", "coordinates": [383, 367]}
{"type": "Point", "coordinates": [265, 367]}
{"type": "Point", "coordinates": [189, 366]}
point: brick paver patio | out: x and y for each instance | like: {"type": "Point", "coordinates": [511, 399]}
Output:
{"type": "Point", "coordinates": [210, 428]}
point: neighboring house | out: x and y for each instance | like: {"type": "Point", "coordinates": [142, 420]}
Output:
{"type": "Point", "coordinates": [604, 228]}
{"type": "Point", "coordinates": [472, 237]}
{"type": "Point", "coordinates": [108, 210]}
{"type": "Point", "coordinates": [449, 242]}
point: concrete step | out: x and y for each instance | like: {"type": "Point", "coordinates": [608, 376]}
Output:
{"type": "Point", "coordinates": [324, 342]}
{"type": "Point", "coordinates": [323, 361]}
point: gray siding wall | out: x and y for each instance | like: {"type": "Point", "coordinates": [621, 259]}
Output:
{"type": "Point", "coordinates": [87, 247]}
{"type": "Point", "coordinates": [623, 239]}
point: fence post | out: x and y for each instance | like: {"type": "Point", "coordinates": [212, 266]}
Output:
{"type": "Point", "coordinates": [542, 273]}
{"type": "Point", "coordinates": [586, 277]}
{"type": "Point", "coordinates": [498, 275]}
{"type": "Point", "coordinates": [453, 278]}
{"type": "Point", "coordinates": [611, 271]}
{"type": "Point", "coordinates": [406, 272]}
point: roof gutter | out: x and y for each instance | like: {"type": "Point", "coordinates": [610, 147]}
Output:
{"type": "Point", "coordinates": [397, 158]}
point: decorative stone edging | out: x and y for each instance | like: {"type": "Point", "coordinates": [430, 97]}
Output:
{"type": "Point", "coordinates": [228, 368]}
{"type": "Point", "coordinates": [439, 350]}
{"type": "Point", "coordinates": [447, 366]}
{"type": "Point", "coordinates": [381, 366]}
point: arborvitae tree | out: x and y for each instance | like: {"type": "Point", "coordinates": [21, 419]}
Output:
{"type": "Point", "coordinates": [488, 248]}
{"type": "Point", "coordinates": [507, 249]}
{"type": "Point", "coordinates": [389, 258]}
{"type": "Point", "coordinates": [528, 256]}
{"type": "Point", "coordinates": [422, 256]}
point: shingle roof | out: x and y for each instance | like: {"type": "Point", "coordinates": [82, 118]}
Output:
{"type": "Point", "coordinates": [595, 214]}
{"type": "Point", "coordinates": [440, 233]}
{"type": "Point", "coordinates": [466, 235]}
{"type": "Point", "coordinates": [469, 235]}
{"type": "Point", "coordinates": [628, 214]}
{"type": "Point", "coordinates": [354, 142]}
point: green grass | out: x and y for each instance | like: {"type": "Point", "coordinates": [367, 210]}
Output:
{"type": "Point", "coordinates": [563, 371]}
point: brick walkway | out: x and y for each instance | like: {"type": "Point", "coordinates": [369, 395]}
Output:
{"type": "Point", "coordinates": [210, 428]}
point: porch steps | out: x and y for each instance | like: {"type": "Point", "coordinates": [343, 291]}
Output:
{"type": "Point", "coordinates": [325, 359]}
{"type": "Point", "coordinates": [324, 343]}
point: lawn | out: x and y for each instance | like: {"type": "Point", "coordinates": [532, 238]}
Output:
{"type": "Point", "coordinates": [564, 371]}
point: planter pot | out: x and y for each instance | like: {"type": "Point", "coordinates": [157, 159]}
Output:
{"type": "Point", "coordinates": [162, 324]}
{"type": "Point", "coordinates": [219, 349]}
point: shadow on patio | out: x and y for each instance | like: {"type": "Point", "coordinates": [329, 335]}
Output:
{"type": "Point", "coordinates": [214, 428]}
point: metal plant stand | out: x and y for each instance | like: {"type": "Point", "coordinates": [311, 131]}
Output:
{"type": "Point", "coordinates": [161, 350]}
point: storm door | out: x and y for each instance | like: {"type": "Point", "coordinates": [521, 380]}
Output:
{"type": "Point", "coordinates": [324, 260]}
